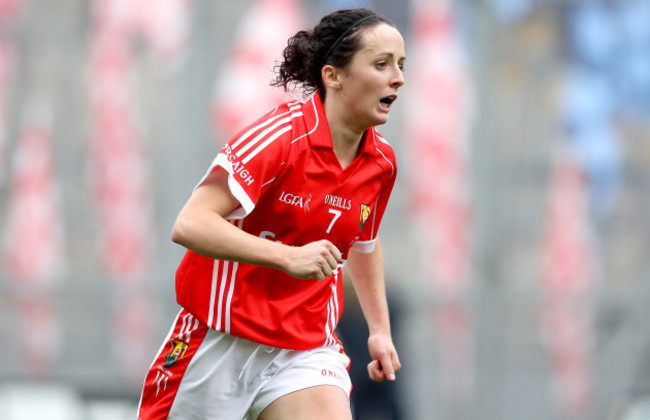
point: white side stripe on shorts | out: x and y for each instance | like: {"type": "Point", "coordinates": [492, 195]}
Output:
{"type": "Point", "coordinates": [160, 377]}
{"type": "Point", "coordinates": [187, 328]}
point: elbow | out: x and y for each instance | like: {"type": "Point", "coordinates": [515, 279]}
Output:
{"type": "Point", "coordinates": [180, 234]}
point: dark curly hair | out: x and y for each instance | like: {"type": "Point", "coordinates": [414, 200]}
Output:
{"type": "Point", "coordinates": [333, 41]}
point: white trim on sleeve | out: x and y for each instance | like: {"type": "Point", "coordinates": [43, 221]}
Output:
{"type": "Point", "coordinates": [236, 189]}
{"type": "Point", "coordinates": [364, 247]}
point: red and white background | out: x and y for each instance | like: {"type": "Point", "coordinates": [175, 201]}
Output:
{"type": "Point", "coordinates": [567, 286]}
{"type": "Point", "coordinates": [242, 90]}
{"type": "Point", "coordinates": [121, 180]}
{"type": "Point", "coordinates": [101, 108]}
{"type": "Point", "coordinates": [438, 118]}
{"type": "Point", "coordinates": [33, 242]}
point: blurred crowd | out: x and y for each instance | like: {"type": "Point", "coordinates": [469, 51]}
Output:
{"type": "Point", "coordinates": [515, 245]}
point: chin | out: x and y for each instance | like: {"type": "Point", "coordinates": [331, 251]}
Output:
{"type": "Point", "coordinates": [373, 120]}
{"type": "Point", "coordinates": [380, 120]}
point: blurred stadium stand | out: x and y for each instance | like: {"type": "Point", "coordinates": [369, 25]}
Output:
{"type": "Point", "coordinates": [540, 80]}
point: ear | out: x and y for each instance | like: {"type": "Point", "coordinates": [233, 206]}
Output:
{"type": "Point", "coordinates": [330, 75]}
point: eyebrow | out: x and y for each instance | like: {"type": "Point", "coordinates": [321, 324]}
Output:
{"type": "Point", "coordinates": [391, 55]}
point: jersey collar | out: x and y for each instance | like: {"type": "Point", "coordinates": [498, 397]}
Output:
{"type": "Point", "coordinates": [319, 132]}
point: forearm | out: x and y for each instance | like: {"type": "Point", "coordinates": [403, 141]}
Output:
{"type": "Point", "coordinates": [209, 234]}
{"type": "Point", "coordinates": [367, 274]}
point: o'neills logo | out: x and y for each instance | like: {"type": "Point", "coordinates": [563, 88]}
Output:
{"type": "Point", "coordinates": [295, 200]}
{"type": "Point", "coordinates": [340, 202]}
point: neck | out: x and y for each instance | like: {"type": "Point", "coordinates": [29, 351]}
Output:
{"type": "Point", "coordinates": [346, 146]}
{"type": "Point", "coordinates": [346, 137]}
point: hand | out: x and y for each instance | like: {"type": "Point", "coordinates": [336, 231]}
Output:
{"type": "Point", "coordinates": [315, 260]}
{"type": "Point", "coordinates": [385, 363]}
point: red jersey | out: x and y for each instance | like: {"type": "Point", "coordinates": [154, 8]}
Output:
{"type": "Point", "coordinates": [291, 189]}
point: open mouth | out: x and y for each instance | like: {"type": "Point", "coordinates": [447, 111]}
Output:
{"type": "Point", "coordinates": [388, 100]}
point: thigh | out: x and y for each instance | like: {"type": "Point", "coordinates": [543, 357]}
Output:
{"type": "Point", "coordinates": [323, 402]}
{"type": "Point", "coordinates": [308, 384]}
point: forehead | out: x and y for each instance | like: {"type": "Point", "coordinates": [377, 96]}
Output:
{"type": "Point", "coordinates": [382, 38]}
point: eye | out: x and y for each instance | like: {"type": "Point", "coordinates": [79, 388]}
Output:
{"type": "Point", "coordinates": [382, 65]}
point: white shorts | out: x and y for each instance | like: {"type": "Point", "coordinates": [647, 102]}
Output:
{"type": "Point", "coordinates": [230, 378]}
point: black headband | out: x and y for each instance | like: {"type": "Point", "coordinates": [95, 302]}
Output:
{"type": "Point", "coordinates": [343, 35]}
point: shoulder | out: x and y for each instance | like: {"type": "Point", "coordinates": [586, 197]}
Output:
{"type": "Point", "coordinates": [276, 128]}
{"type": "Point", "coordinates": [385, 153]}
{"type": "Point", "coordinates": [282, 115]}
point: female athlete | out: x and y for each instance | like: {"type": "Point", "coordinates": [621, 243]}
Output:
{"type": "Point", "coordinates": [286, 204]}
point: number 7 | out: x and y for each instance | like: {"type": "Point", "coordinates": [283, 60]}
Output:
{"type": "Point", "coordinates": [337, 214]}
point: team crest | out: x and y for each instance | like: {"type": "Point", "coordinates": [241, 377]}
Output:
{"type": "Point", "coordinates": [177, 351]}
{"type": "Point", "coordinates": [365, 212]}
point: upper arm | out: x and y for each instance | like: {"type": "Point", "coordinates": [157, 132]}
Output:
{"type": "Point", "coordinates": [213, 194]}
{"type": "Point", "coordinates": [209, 200]}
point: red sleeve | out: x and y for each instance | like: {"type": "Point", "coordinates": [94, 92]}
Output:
{"type": "Point", "coordinates": [371, 227]}
{"type": "Point", "coordinates": [386, 159]}
{"type": "Point", "coordinates": [253, 158]}
{"type": "Point", "coordinates": [368, 237]}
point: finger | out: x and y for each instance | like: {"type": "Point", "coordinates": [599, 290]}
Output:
{"type": "Point", "coordinates": [326, 270]}
{"type": "Point", "coordinates": [316, 272]}
{"type": "Point", "coordinates": [321, 269]}
{"type": "Point", "coordinates": [374, 371]}
{"type": "Point", "coordinates": [334, 251]}
{"type": "Point", "coordinates": [331, 262]}
{"type": "Point", "coordinates": [377, 372]}
{"type": "Point", "coordinates": [397, 365]}
{"type": "Point", "coordinates": [388, 369]}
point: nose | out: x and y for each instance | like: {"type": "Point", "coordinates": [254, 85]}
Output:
{"type": "Point", "coordinates": [398, 77]}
